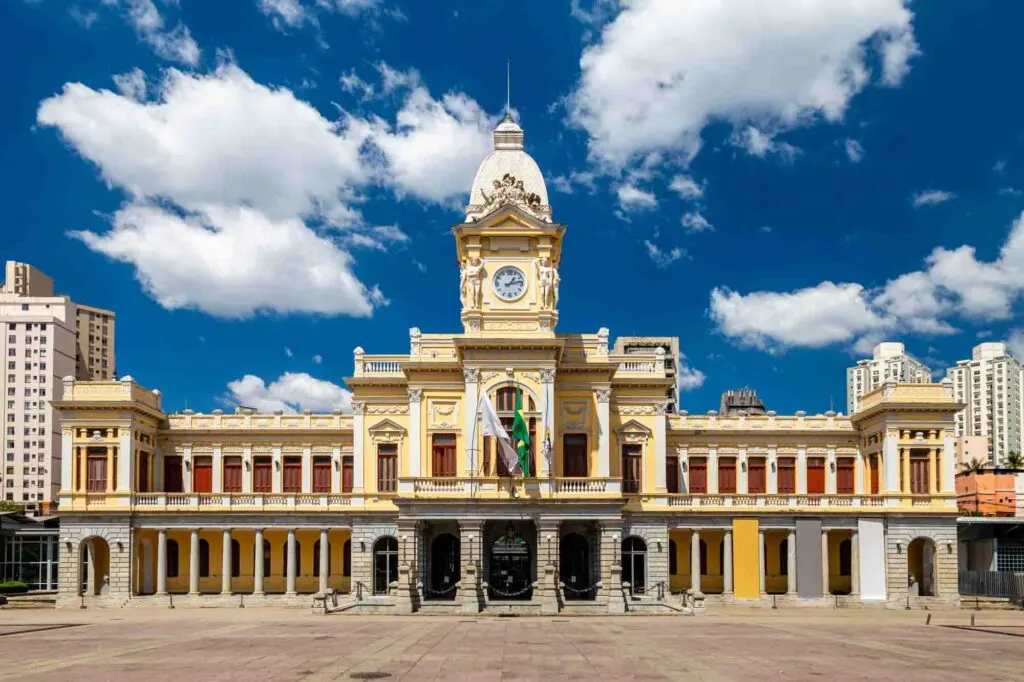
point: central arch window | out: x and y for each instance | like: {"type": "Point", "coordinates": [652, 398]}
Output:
{"type": "Point", "coordinates": [634, 564]}
{"type": "Point", "coordinates": [505, 406]}
{"type": "Point", "coordinates": [385, 564]}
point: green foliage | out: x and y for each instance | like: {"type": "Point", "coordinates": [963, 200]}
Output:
{"type": "Point", "coordinates": [13, 587]}
{"type": "Point", "coordinates": [1014, 460]}
{"type": "Point", "coordinates": [974, 466]}
{"type": "Point", "coordinates": [8, 506]}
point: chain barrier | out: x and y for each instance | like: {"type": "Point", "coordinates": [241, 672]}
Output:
{"type": "Point", "coordinates": [441, 593]}
{"type": "Point", "coordinates": [518, 593]}
{"type": "Point", "coordinates": [585, 590]}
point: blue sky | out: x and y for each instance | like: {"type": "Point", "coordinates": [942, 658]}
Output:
{"type": "Point", "coordinates": [257, 187]}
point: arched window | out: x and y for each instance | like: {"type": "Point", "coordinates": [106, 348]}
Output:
{"type": "Point", "coordinates": [673, 563]}
{"type": "Point", "coordinates": [172, 558]}
{"type": "Point", "coordinates": [634, 564]}
{"type": "Point", "coordinates": [204, 558]}
{"type": "Point", "coordinates": [505, 405]}
{"type": "Point", "coordinates": [346, 559]}
{"type": "Point", "coordinates": [845, 557]}
{"type": "Point", "coordinates": [316, 559]}
{"type": "Point", "coordinates": [385, 564]}
{"type": "Point", "coordinates": [784, 557]}
{"type": "Point", "coordinates": [236, 558]}
{"type": "Point", "coordinates": [703, 558]}
{"type": "Point", "coordinates": [266, 559]}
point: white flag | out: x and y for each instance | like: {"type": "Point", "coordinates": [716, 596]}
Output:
{"type": "Point", "coordinates": [492, 427]}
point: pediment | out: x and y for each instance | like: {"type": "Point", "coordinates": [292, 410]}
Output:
{"type": "Point", "coordinates": [387, 426]}
{"type": "Point", "coordinates": [633, 427]}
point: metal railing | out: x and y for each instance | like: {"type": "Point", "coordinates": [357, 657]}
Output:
{"type": "Point", "coordinates": [991, 584]}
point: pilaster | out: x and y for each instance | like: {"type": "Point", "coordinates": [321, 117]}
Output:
{"type": "Point", "coordinates": [660, 445]}
{"type": "Point", "coordinates": [358, 448]}
{"type": "Point", "coordinates": [415, 396]}
{"type": "Point", "coordinates": [471, 377]}
{"type": "Point", "coordinates": [547, 382]}
{"type": "Point", "coordinates": [604, 398]}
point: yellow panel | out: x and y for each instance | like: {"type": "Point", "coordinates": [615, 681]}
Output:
{"type": "Point", "coordinates": [746, 563]}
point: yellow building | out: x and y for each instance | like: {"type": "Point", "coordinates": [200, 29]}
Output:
{"type": "Point", "coordinates": [405, 504]}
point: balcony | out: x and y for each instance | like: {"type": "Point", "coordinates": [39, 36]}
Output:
{"type": "Point", "coordinates": [175, 502]}
{"type": "Point", "coordinates": [501, 488]}
{"type": "Point", "coordinates": [770, 502]}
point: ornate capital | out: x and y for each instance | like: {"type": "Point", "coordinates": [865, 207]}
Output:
{"type": "Point", "coordinates": [414, 394]}
{"type": "Point", "coordinates": [358, 407]}
{"type": "Point", "coordinates": [604, 395]}
{"type": "Point", "coordinates": [471, 374]}
{"type": "Point", "coordinates": [547, 376]}
{"type": "Point", "coordinates": [660, 408]}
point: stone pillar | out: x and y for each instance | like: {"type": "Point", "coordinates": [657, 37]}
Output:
{"type": "Point", "coordinates": [547, 562]}
{"type": "Point", "coordinates": [471, 534]}
{"type": "Point", "coordinates": [762, 567]}
{"type": "Point", "coordinates": [890, 463]}
{"type": "Point", "coordinates": [471, 376]}
{"type": "Point", "coordinates": [408, 599]}
{"type": "Point", "coordinates": [193, 563]}
{"type": "Point", "coordinates": [225, 563]}
{"type": "Point", "coordinates": [161, 562]}
{"type": "Point", "coordinates": [218, 469]}
{"type": "Point", "coordinates": [290, 579]}
{"type": "Point", "coordinates": [604, 458]}
{"type": "Point", "coordinates": [824, 563]}
{"type": "Point", "coordinates": [247, 469]}
{"type": "Point", "coordinates": [854, 564]}
{"type": "Point", "coordinates": [277, 470]}
{"type": "Point", "coordinates": [547, 382]}
{"type": "Point", "coordinates": [727, 561]}
{"type": "Point", "coordinates": [830, 472]}
{"type": "Point", "coordinates": [772, 486]}
{"type": "Point", "coordinates": [791, 563]}
{"type": "Point", "coordinates": [859, 476]}
{"type": "Point", "coordinates": [801, 471]}
{"type": "Point", "coordinates": [948, 465]}
{"type": "Point", "coordinates": [307, 470]}
{"type": "Point", "coordinates": [611, 566]}
{"type": "Point", "coordinates": [358, 454]}
{"type": "Point", "coordinates": [257, 581]}
{"type": "Point", "coordinates": [695, 561]}
{"type": "Point", "coordinates": [660, 445]}
{"type": "Point", "coordinates": [712, 473]}
{"type": "Point", "coordinates": [325, 557]}
{"type": "Point", "coordinates": [415, 396]}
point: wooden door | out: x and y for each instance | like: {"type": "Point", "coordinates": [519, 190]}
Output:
{"type": "Point", "coordinates": [756, 484]}
{"type": "Point", "coordinates": [874, 474]}
{"type": "Point", "coordinates": [202, 475]}
{"type": "Point", "coordinates": [632, 463]}
{"type": "Point", "coordinates": [672, 474]}
{"type": "Point", "coordinates": [727, 475]}
{"type": "Point", "coordinates": [142, 484]}
{"type": "Point", "coordinates": [443, 455]}
{"type": "Point", "coordinates": [173, 480]}
{"type": "Point", "coordinates": [816, 476]}
{"type": "Point", "coordinates": [698, 475]}
{"type": "Point", "coordinates": [232, 474]}
{"type": "Point", "coordinates": [347, 475]}
{"type": "Point", "coordinates": [574, 455]}
{"type": "Point", "coordinates": [787, 475]}
{"type": "Point", "coordinates": [262, 475]}
{"type": "Point", "coordinates": [919, 471]}
{"type": "Point", "coordinates": [322, 475]}
{"type": "Point", "coordinates": [387, 468]}
{"type": "Point", "coordinates": [291, 482]}
{"type": "Point", "coordinates": [845, 476]}
{"type": "Point", "coordinates": [97, 473]}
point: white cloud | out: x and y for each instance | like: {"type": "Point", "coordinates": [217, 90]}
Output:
{"type": "Point", "coordinates": [351, 82]}
{"type": "Point", "coordinates": [694, 221]}
{"type": "Point", "coordinates": [1010, 191]}
{"type": "Point", "coordinates": [419, 266]}
{"type": "Point", "coordinates": [689, 378]}
{"type": "Point", "coordinates": [930, 197]}
{"type": "Point", "coordinates": [84, 18]}
{"type": "Point", "coordinates": [1015, 343]}
{"type": "Point", "coordinates": [663, 259]}
{"type": "Point", "coordinates": [758, 143]}
{"type": "Point", "coordinates": [566, 184]}
{"type": "Point", "coordinates": [854, 150]}
{"type": "Point", "coordinates": [288, 352]}
{"type": "Point", "coordinates": [318, 359]}
{"type": "Point", "coordinates": [175, 44]}
{"type": "Point", "coordinates": [294, 13]}
{"type": "Point", "coordinates": [952, 283]}
{"type": "Point", "coordinates": [632, 198]}
{"type": "Point", "coordinates": [686, 187]}
{"type": "Point", "coordinates": [662, 69]}
{"type": "Point", "coordinates": [132, 84]}
{"type": "Point", "coordinates": [291, 392]}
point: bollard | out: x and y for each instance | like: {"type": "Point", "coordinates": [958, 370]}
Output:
{"type": "Point", "coordinates": [774, 605]}
{"type": "Point", "coordinates": [972, 620]}
{"type": "Point", "coordinates": [908, 602]}
{"type": "Point", "coordinates": [928, 621]}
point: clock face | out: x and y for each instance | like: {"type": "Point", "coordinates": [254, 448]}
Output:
{"type": "Point", "coordinates": [509, 283]}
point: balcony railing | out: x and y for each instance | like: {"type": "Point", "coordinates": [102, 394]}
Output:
{"type": "Point", "coordinates": [240, 501]}
{"type": "Point", "coordinates": [773, 501]}
{"type": "Point", "coordinates": [500, 487]}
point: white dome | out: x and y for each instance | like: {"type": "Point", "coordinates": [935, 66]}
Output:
{"type": "Point", "coordinates": [508, 176]}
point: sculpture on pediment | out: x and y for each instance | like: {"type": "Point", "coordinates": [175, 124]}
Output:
{"type": "Point", "coordinates": [548, 280]}
{"type": "Point", "coordinates": [471, 279]}
{"type": "Point", "coordinates": [509, 190]}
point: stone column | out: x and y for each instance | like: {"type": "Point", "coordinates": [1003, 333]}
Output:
{"type": "Point", "coordinates": [161, 562]}
{"type": "Point", "coordinates": [859, 478]}
{"type": "Point", "coordinates": [471, 376]}
{"type": "Point", "coordinates": [193, 563]}
{"type": "Point", "coordinates": [890, 478]}
{"type": "Point", "coordinates": [854, 564]}
{"type": "Point", "coordinates": [471, 534]}
{"type": "Point", "coordinates": [547, 562]}
{"type": "Point", "coordinates": [791, 563]}
{"type": "Point", "coordinates": [225, 563]}
{"type": "Point", "coordinates": [824, 563]}
{"type": "Point", "coordinates": [325, 557]}
{"type": "Point", "coordinates": [762, 567]}
{"type": "Point", "coordinates": [110, 469]}
{"type": "Point", "coordinates": [415, 396]}
{"type": "Point", "coordinates": [695, 560]}
{"type": "Point", "coordinates": [257, 581]}
{"type": "Point", "coordinates": [604, 457]}
{"type": "Point", "coordinates": [290, 580]}
{"type": "Point", "coordinates": [408, 599]}
{"type": "Point", "coordinates": [727, 561]}
{"type": "Point", "coordinates": [611, 566]}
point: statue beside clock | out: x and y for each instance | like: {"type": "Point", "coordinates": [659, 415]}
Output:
{"type": "Point", "coordinates": [509, 283]}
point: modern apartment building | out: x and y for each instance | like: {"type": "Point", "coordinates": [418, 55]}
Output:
{"type": "Point", "coordinates": [990, 384]}
{"type": "Point", "coordinates": [889, 362]}
{"type": "Point", "coordinates": [94, 328]}
{"type": "Point", "coordinates": [41, 347]}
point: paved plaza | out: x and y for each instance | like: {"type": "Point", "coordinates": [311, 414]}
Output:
{"type": "Point", "coordinates": [281, 645]}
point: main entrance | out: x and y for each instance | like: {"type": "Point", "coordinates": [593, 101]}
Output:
{"type": "Point", "coordinates": [575, 568]}
{"type": "Point", "coordinates": [510, 574]}
{"type": "Point", "coordinates": [444, 567]}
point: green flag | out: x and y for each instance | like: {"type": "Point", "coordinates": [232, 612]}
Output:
{"type": "Point", "coordinates": [521, 435]}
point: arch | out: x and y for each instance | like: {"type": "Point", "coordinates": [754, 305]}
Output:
{"type": "Point", "coordinates": [94, 566]}
{"type": "Point", "coordinates": [784, 557]}
{"type": "Point", "coordinates": [204, 558]}
{"type": "Point", "coordinates": [845, 558]}
{"type": "Point", "coordinates": [385, 563]}
{"type": "Point", "coordinates": [703, 557]}
{"type": "Point", "coordinates": [346, 559]}
{"type": "Point", "coordinates": [921, 567]}
{"type": "Point", "coordinates": [673, 559]}
{"type": "Point", "coordinates": [634, 564]}
{"type": "Point", "coordinates": [316, 559]}
{"type": "Point", "coordinates": [575, 568]}
{"type": "Point", "coordinates": [510, 567]}
{"type": "Point", "coordinates": [530, 398]}
{"type": "Point", "coordinates": [173, 564]}
{"type": "Point", "coordinates": [445, 566]}
{"type": "Point", "coordinates": [236, 558]}
{"type": "Point", "coordinates": [503, 395]}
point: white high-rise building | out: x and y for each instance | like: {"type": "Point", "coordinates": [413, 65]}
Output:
{"type": "Point", "coordinates": [889, 362]}
{"type": "Point", "coordinates": [991, 385]}
{"type": "Point", "coordinates": [40, 348]}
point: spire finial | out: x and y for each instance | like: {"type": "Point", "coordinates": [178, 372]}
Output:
{"type": "Point", "coordinates": [508, 88]}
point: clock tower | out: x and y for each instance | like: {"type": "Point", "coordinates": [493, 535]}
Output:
{"type": "Point", "coordinates": [508, 248]}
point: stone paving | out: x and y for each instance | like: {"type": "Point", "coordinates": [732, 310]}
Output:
{"type": "Point", "coordinates": [270, 644]}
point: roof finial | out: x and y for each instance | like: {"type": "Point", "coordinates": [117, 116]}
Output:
{"type": "Point", "coordinates": [508, 89]}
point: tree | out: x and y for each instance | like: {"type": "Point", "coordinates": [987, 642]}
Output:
{"type": "Point", "coordinates": [8, 506]}
{"type": "Point", "coordinates": [974, 466]}
{"type": "Point", "coordinates": [1014, 460]}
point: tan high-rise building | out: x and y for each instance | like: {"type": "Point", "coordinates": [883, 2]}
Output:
{"type": "Point", "coordinates": [889, 362]}
{"type": "Point", "coordinates": [991, 387]}
{"type": "Point", "coordinates": [94, 328]}
{"type": "Point", "coordinates": [40, 348]}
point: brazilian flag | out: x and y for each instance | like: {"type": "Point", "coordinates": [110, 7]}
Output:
{"type": "Point", "coordinates": [521, 435]}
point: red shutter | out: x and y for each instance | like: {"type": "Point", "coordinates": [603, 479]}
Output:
{"type": "Point", "coordinates": [232, 474]}
{"type": "Point", "coordinates": [756, 484]}
{"type": "Point", "coordinates": [787, 475]}
{"type": "Point", "coordinates": [875, 464]}
{"type": "Point", "coordinates": [816, 476]}
{"type": "Point", "coordinates": [919, 475]}
{"type": "Point", "coordinates": [262, 475]}
{"type": "Point", "coordinates": [143, 473]}
{"type": "Point", "coordinates": [443, 458]}
{"type": "Point", "coordinates": [698, 475]}
{"type": "Point", "coordinates": [727, 475]}
{"type": "Point", "coordinates": [322, 475]}
{"type": "Point", "coordinates": [844, 476]}
{"type": "Point", "coordinates": [292, 482]}
{"type": "Point", "coordinates": [172, 474]}
{"type": "Point", "coordinates": [387, 465]}
{"type": "Point", "coordinates": [202, 475]}
{"type": "Point", "coordinates": [672, 474]}
{"type": "Point", "coordinates": [631, 468]}
{"type": "Point", "coordinates": [346, 475]}
{"type": "Point", "coordinates": [97, 467]}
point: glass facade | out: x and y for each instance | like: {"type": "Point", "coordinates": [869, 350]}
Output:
{"type": "Point", "coordinates": [30, 558]}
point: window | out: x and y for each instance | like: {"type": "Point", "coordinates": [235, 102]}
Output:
{"type": "Point", "coordinates": [347, 474]}
{"type": "Point", "coordinates": [505, 405]}
{"type": "Point", "coordinates": [232, 474]}
{"type": "Point", "coordinates": [787, 475]}
{"type": "Point", "coordinates": [631, 469]}
{"type": "Point", "coordinates": [756, 483]}
{"type": "Point", "coordinates": [815, 475]}
{"type": "Point", "coordinates": [698, 475]}
{"type": "Point", "coordinates": [387, 467]}
{"type": "Point", "coordinates": [385, 564]}
{"type": "Point", "coordinates": [574, 455]}
{"type": "Point", "coordinates": [443, 459]}
{"type": "Point", "coordinates": [172, 558]}
{"type": "Point", "coordinates": [672, 474]}
{"type": "Point", "coordinates": [97, 472]}
{"type": "Point", "coordinates": [202, 475]}
{"type": "Point", "coordinates": [727, 475]}
{"type": "Point", "coordinates": [845, 476]}
{"type": "Point", "coordinates": [920, 472]}
{"type": "Point", "coordinates": [634, 564]}
{"type": "Point", "coordinates": [292, 479]}
{"type": "Point", "coordinates": [262, 475]}
{"type": "Point", "coordinates": [322, 474]}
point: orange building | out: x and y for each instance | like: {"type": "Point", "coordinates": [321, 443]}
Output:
{"type": "Point", "coordinates": [990, 493]}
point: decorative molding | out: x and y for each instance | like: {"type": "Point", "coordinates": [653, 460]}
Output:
{"type": "Point", "coordinates": [509, 191]}
{"type": "Point", "coordinates": [507, 326]}
{"type": "Point", "coordinates": [547, 376]}
{"type": "Point", "coordinates": [387, 431]}
{"type": "Point", "coordinates": [471, 375]}
{"type": "Point", "coordinates": [574, 415]}
{"type": "Point", "coordinates": [415, 395]}
{"type": "Point", "coordinates": [444, 414]}
{"type": "Point", "coordinates": [633, 432]}
{"type": "Point", "coordinates": [604, 395]}
{"type": "Point", "coordinates": [358, 407]}
{"type": "Point", "coordinates": [660, 409]}
{"type": "Point", "coordinates": [634, 410]}
{"type": "Point", "coordinates": [487, 376]}
{"type": "Point", "coordinates": [387, 409]}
